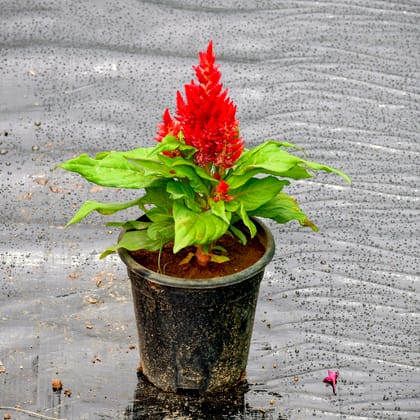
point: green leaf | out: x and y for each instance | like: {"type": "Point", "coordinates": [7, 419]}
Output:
{"type": "Point", "coordinates": [198, 178]}
{"type": "Point", "coordinates": [270, 158]}
{"type": "Point", "coordinates": [283, 209]}
{"type": "Point", "coordinates": [239, 234]}
{"type": "Point", "coordinates": [232, 206]}
{"type": "Point", "coordinates": [102, 208]}
{"type": "Point", "coordinates": [177, 167]}
{"type": "Point", "coordinates": [168, 144]}
{"type": "Point", "coordinates": [102, 155]}
{"type": "Point", "coordinates": [187, 151]}
{"type": "Point", "coordinates": [267, 158]}
{"type": "Point", "coordinates": [220, 248]}
{"type": "Point", "coordinates": [119, 154]}
{"type": "Point", "coordinates": [219, 210]}
{"type": "Point", "coordinates": [181, 190]}
{"type": "Point", "coordinates": [198, 183]}
{"type": "Point", "coordinates": [129, 225]}
{"type": "Point", "coordinates": [257, 191]}
{"type": "Point", "coordinates": [289, 145]}
{"type": "Point", "coordinates": [134, 240]}
{"type": "Point", "coordinates": [219, 258]}
{"type": "Point", "coordinates": [141, 152]}
{"type": "Point", "coordinates": [152, 168]}
{"type": "Point", "coordinates": [163, 230]}
{"type": "Point", "coordinates": [110, 169]}
{"type": "Point", "coordinates": [192, 228]}
{"type": "Point", "coordinates": [159, 214]}
{"type": "Point", "coordinates": [157, 195]}
{"type": "Point", "coordinates": [318, 167]}
{"type": "Point", "coordinates": [180, 161]}
{"type": "Point", "coordinates": [247, 221]}
{"type": "Point", "coordinates": [171, 143]}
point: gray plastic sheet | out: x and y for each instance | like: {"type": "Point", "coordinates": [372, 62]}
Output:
{"type": "Point", "coordinates": [339, 78]}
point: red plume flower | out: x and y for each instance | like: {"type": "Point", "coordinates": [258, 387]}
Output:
{"type": "Point", "coordinates": [206, 117]}
{"type": "Point", "coordinates": [167, 126]}
{"type": "Point", "coordinates": [222, 192]}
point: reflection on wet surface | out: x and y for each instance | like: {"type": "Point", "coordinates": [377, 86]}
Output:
{"type": "Point", "coordinates": [155, 404]}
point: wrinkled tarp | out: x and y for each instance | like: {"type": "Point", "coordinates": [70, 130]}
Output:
{"type": "Point", "coordinates": [340, 79]}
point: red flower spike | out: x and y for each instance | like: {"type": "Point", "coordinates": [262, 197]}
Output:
{"type": "Point", "coordinates": [167, 126]}
{"type": "Point", "coordinates": [222, 192]}
{"type": "Point", "coordinates": [172, 154]}
{"type": "Point", "coordinates": [207, 118]}
{"type": "Point", "coordinates": [332, 379]}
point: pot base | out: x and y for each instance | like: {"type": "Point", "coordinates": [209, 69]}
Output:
{"type": "Point", "coordinates": [195, 339]}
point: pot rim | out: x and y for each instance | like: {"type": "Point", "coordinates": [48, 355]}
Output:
{"type": "Point", "coordinates": [266, 238]}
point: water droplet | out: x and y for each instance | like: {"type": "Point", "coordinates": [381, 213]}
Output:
{"type": "Point", "coordinates": [3, 151]}
{"type": "Point", "coordinates": [35, 148]}
{"type": "Point", "coordinates": [37, 123]}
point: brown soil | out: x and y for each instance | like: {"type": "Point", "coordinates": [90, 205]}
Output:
{"type": "Point", "coordinates": [241, 257]}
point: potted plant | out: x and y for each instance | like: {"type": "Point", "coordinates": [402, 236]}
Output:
{"type": "Point", "coordinates": [197, 254]}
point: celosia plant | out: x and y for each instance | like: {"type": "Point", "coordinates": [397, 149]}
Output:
{"type": "Point", "coordinates": [199, 180]}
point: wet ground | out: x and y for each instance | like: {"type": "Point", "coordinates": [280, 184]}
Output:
{"type": "Point", "coordinates": [339, 78]}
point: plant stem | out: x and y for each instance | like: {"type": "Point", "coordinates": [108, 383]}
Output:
{"type": "Point", "coordinates": [202, 257]}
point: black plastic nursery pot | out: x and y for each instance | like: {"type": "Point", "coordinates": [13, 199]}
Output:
{"type": "Point", "coordinates": [194, 334]}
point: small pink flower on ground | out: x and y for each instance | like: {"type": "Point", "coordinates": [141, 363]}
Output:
{"type": "Point", "coordinates": [332, 379]}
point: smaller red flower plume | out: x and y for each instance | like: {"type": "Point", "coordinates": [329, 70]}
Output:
{"type": "Point", "coordinates": [222, 192]}
{"type": "Point", "coordinates": [167, 126]}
